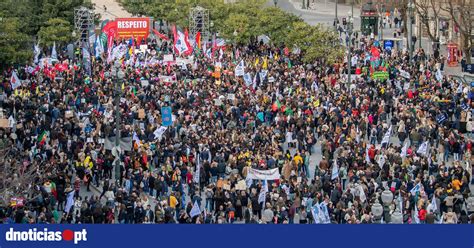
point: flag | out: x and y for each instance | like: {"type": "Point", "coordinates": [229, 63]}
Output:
{"type": "Point", "coordinates": [197, 174]}
{"type": "Point", "coordinates": [99, 47]}
{"type": "Point", "coordinates": [335, 170]}
{"type": "Point", "coordinates": [433, 205]}
{"type": "Point", "coordinates": [15, 81]}
{"type": "Point", "coordinates": [37, 52]}
{"type": "Point", "coordinates": [166, 115]}
{"type": "Point", "coordinates": [110, 44]}
{"type": "Point", "coordinates": [367, 158]}
{"type": "Point", "coordinates": [415, 215]}
{"type": "Point", "coordinates": [400, 201]}
{"type": "Point", "coordinates": [265, 63]}
{"type": "Point", "coordinates": [257, 61]}
{"type": "Point", "coordinates": [159, 132]}
{"type": "Point", "coordinates": [195, 210]}
{"type": "Point", "coordinates": [136, 139]}
{"type": "Point", "coordinates": [403, 154]}
{"type": "Point", "coordinates": [42, 138]}
{"type": "Point", "coordinates": [209, 53]}
{"type": "Point", "coordinates": [69, 202]}
{"type": "Point", "coordinates": [423, 149]}
{"type": "Point", "coordinates": [415, 189]}
{"type": "Point", "coordinates": [240, 69]}
{"type": "Point", "coordinates": [315, 212]}
{"type": "Point", "coordinates": [54, 54]}
{"type": "Point", "coordinates": [186, 40]}
{"type": "Point", "coordinates": [181, 45]}
{"type": "Point", "coordinates": [439, 75]}
{"type": "Point", "coordinates": [248, 79]}
{"type": "Point", "coordinates": [362, 196]}
{"type": "Point", "coordinates": [198, 40]}
{"type": "Point", "coordinates": [160, 35]}
{"type": "Point", "coordinates": [260, 116]}
{"type": "Point", "coordinates": [324, 211]}
{"type": "Point", "coordinates": [86, 57]}
{"type": "Point", "coordinates": [289, 64]}
{"type": "Point", "coordinates": [263, 192]}
{"type": "Point", "coordinates": [381, 161]}
{"type": "Point", "coordinates": [386, 137]}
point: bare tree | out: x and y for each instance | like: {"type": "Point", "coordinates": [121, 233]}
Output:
{"type": "Point", "coordinates": [16, 179]}
{"type": "Point", "coordinates": [429, 11]}
{"type": "Point", "coordinates": [462, 14]}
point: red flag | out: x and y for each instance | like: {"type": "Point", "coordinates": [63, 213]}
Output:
{"type": "Point", "coordinates": [198, 40]}
{"type": "Point", "coordinates": [162, 36]}
{"type": "Point", "coordinates": [186, 39]}
{"type": "Point", "coordinates": [375, 52]}
{"type": "Point", "coordinates": [175, 38]}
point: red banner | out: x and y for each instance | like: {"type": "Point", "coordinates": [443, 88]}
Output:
{"type": "Point", "coordinates": [133, 27]}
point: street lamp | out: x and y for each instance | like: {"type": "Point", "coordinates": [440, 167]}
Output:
{"type": "Point", "coordinates": [397, 218]}
{"type": "Point", "coordinates": [387, 198]}
{"type": "Point", "coordinates": [349, 59]}
{"type": "Point", "coordinates": [410, 33]}
{"type": "Point", "coordinates": [377, 210]}
{"type": "Point", "coordinates": [118, 76]}
{"type": "Point", "coordinates": [335, 17]}
{"type": "Point", "coordinates": [275, 2]}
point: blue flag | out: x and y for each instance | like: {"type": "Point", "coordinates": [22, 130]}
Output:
{"type": "Point", "coordinates": [69, 202]}
{"type": "Point", "coordinates": [166, 116]}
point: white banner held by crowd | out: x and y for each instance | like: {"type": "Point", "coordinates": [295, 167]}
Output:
{"type": "Point", "coordinates": [272, 174]}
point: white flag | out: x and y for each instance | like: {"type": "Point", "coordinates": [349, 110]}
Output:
{"type": "Point", "coordinates": [15, 81]}
{"type": "Point", "coordinates": [335, 170]}
{"type": "Point", "coordinates": [403, 154]}
{"type": "Point", "coordinates": [415, 215]}
{"type": "Point", "coordinates": [381, 161]}
{"type": "Point", "coordinates": [386, 137]}
{"type": "Point", "coordinates": [240, 69]}
{"type": "Point", "coordinates": [367, 158]}
{"type": "Point", "coordinates": [433, 205]}
{"type": "Point", "coordinates": [37, 52]}
{"type": "Point", "coordinates": [69, 202]}
{"type": "Point", "coordinates": [54, 54]}
{"type": "Point", "coordinates": [423, 149]}
{"type": "Point", "coordinates": [159, 132]}
{"type": "Point", "coordinates": [195, 210]}
{"type": "Point", "coordinates": [197, 174]}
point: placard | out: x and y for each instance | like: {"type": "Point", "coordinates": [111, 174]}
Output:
{"type": "Point", "coordinates": [4, 123]}
{"type": "Point", "coordinates": [141, 113]}
{"type": "Point", "coordinates": [168, 58]}
{"type": "Point", "coordinates": [241, 185]}
{"type": "Point", "coordinates": [68, 114]}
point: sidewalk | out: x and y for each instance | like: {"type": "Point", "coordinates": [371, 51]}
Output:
{"type": "Point", "coordinates": [326, 7]}
{"type": "Point", "coordinates": [114, 10]}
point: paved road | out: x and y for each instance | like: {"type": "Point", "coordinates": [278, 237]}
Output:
{"type": "Point", "coordinates": [112, 10]}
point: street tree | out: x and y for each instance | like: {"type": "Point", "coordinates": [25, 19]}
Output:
{"type": "Point", "coordinates": [14, 44]}
{"type": "Point", "coordinates": [56, 30]}
{"type": "Point", "coordinates": [462, 14]}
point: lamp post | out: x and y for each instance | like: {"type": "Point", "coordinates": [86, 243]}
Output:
{"type": "Point", "coordinates": [335, 17]}
{"type": "Point", "coordinates": [410, 33]}
{"type": "Point", "coordinates": [304, 6]}
{"type": "Point", "coordinates": [349, 59]}
{"type": "Point", "coordinates": [387, 198]}
{"type": "Point", "coordinates": [118, 75]}
{"type": "Point", "coordinates": [275, 2]}
{"type": "Point", "coordinates": [73, 34]}
{"type": "Point", "coordinates": [377, 210]}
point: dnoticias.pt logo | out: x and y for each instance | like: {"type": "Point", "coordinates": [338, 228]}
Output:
{"type": "Point", "coordinates": [46, 235]}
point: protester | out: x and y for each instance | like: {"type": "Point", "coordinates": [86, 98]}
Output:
{"type": "Point", "coordinates": [338, 148]}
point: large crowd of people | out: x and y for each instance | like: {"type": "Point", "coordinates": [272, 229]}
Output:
{"type": "Point", "coordinates": [401, 142]}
